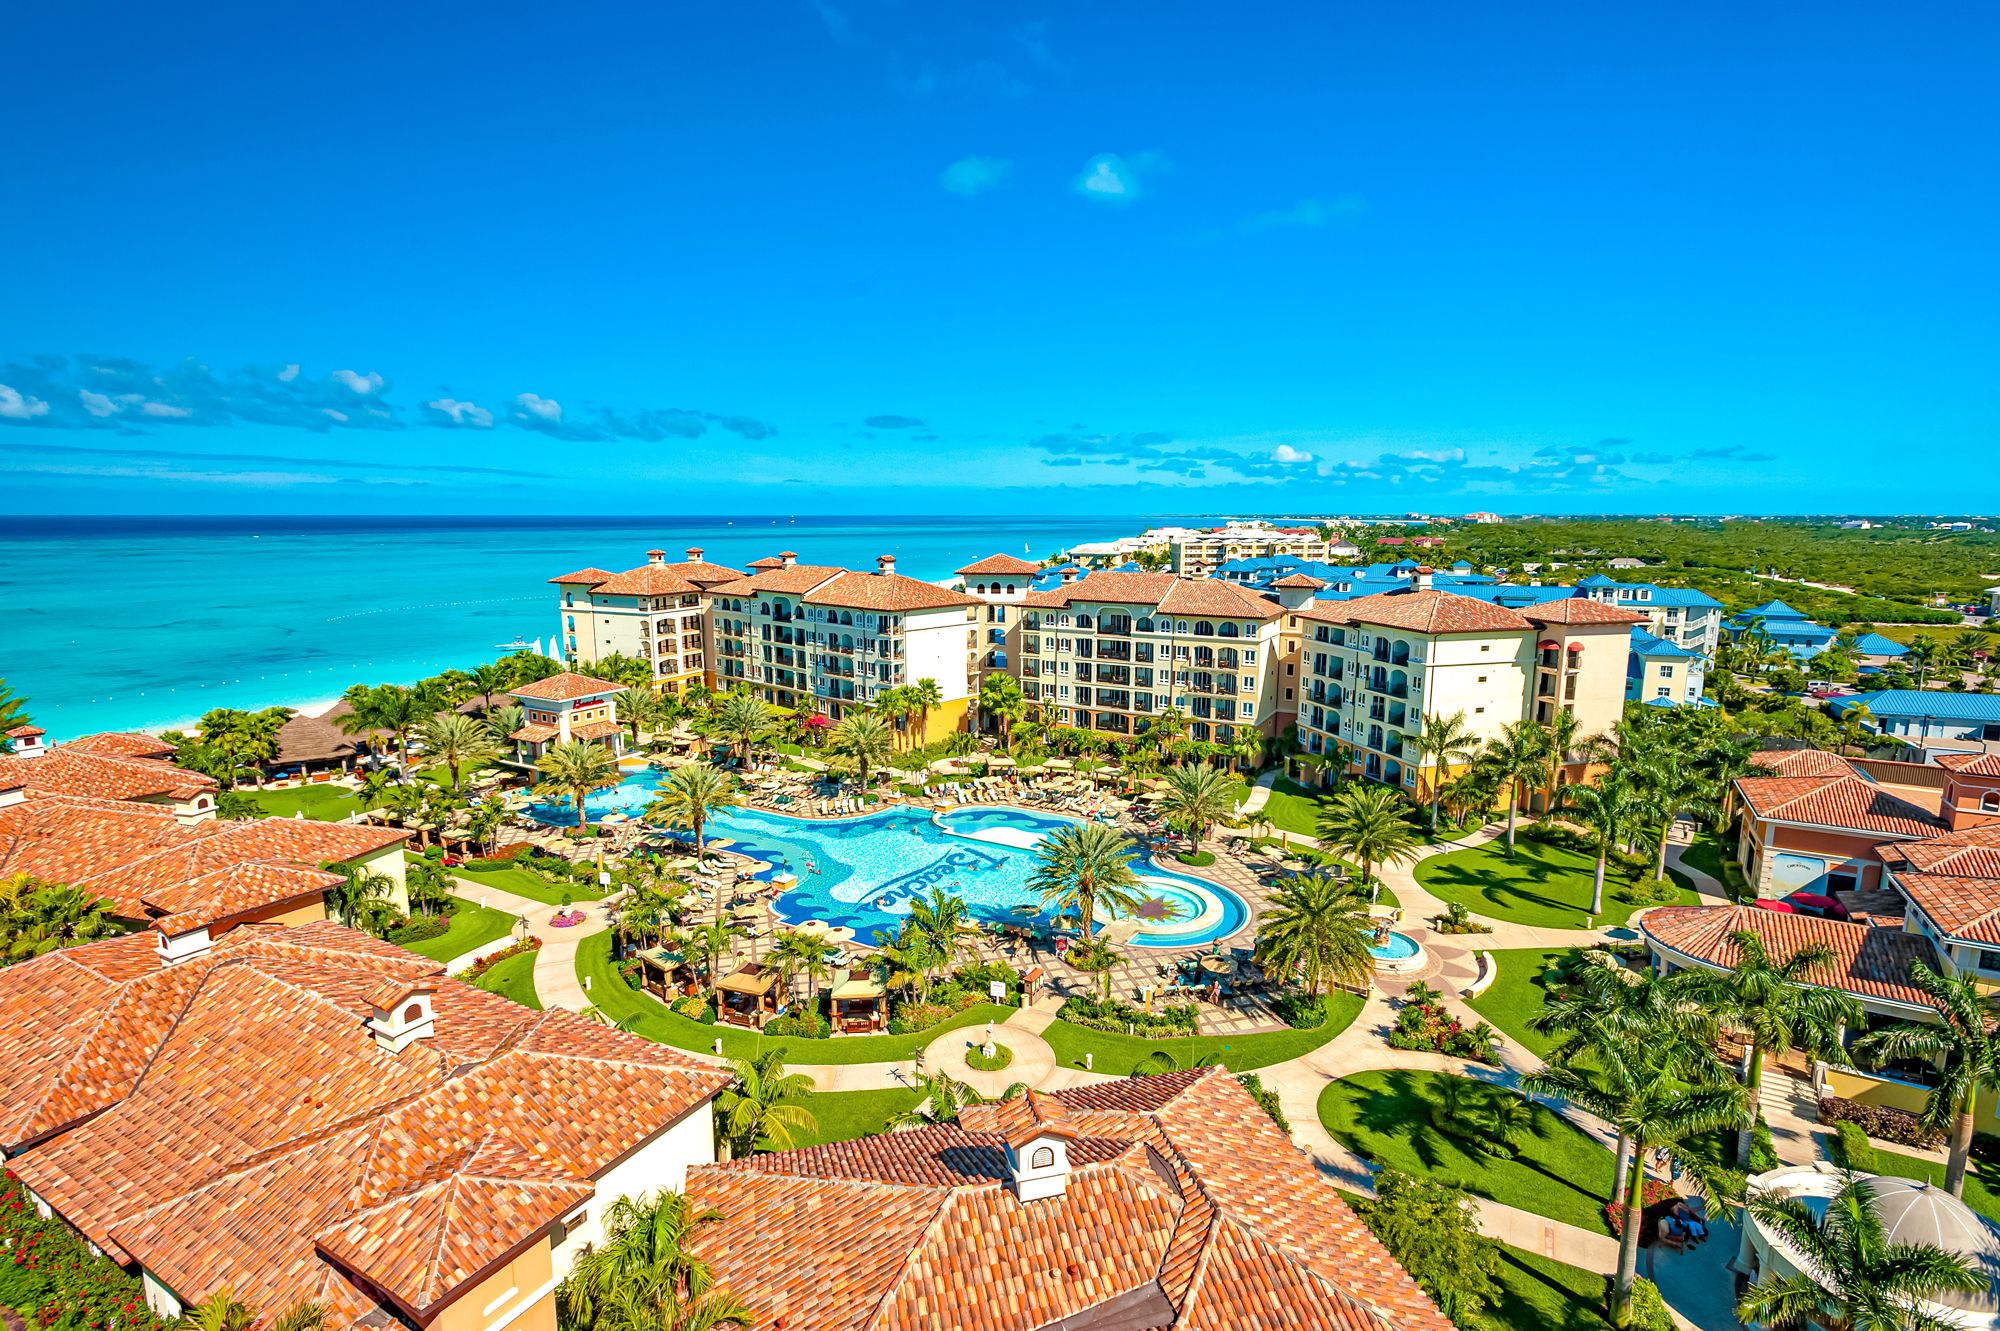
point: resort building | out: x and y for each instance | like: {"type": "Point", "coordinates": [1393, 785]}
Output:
{"type": "Point", "coordinates": [1778, 627]}
{"type": "Point", "coordinates": [1683, 616]}
{"type": "Point", "coordinates": [656, 613]}
{"type": "Point", "coordinates": [565, 709]}
{"type": "Point", "coordinates": [1002, 583]}
{"type": "Point", "coordinates": [821, 639]}
{"type": "Point", "coordinates": [1660, 673]}
{"type": "Point", "coordinates": [1815, 825]}
{"type": "Point", "coordinates": [1374, 668]}
{"type": "Point", "coordinates": [1113, 651]}
{"type": "Point", "coordinates": [1917, 715]}
{"type": "Point", "coordinates": [1165, 1201]}
{"type": "Point", "coordinates": [308, 1114]}
{"type": "Point", "coordinates": [1198, 554]}
{"type": "Point", "coordinates": [114, 766]}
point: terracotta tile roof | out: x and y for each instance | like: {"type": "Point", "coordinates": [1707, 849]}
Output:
{"type": "Point", "coordinates": [536, 731]}
{"type": "Point", "coordinates": [885, 591]}
{"type": "Point", "coordinates": [1299, 580]}
{"type": "Point", "coordinates": [1420, 612]}
{"type": "Point", "coordinates": [565, 687]}
{"type": "Point", "coordinates": [260, 1139]}
{"type": "Point", "coordinates": [1184, 1206]}
{"type": "Point", "coordinates": [1120, 588]}
{"type": "Point", "coordinates": [665, 579]}
{"type": "Point", "coordinates": [238, 891]}
{"type": "Point", "coordinates": [596, 730]}
{"type": "Point", "coordinates": [1581, 610]}
{"type": "Point", "coordinates": [25, 732]}
{"type": "Point", "coordinates": [1001, 564]}
{"type": "Point", "coordinates": [120, 744]}
{"type": "Point", "coordinates": [64, 770]}
{"type": "Point", "coordinates": [1971, 764]}
{"type": "Point", "coordinates": [1802, 762]}
{"type": "Point", "coordinates": [767, 562]}
{"type": "Point", "coordinates": [794, 579]}
{"type": "Point", "coordinates": [1846, 802]}
{"type": "Point", "coordinates": [1869, 961]}
{"type": "Point", "coordinates": [1212, 596]}
{"type": "Point", "coordinates": [1954, 878]}
{"type": "Point", "coordinates": [586, 577]}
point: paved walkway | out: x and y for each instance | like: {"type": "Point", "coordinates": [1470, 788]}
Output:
{"type": "Point", "coordinates": [1031, 1065]}
{"type": "Point", "coordinates": [556, 982]}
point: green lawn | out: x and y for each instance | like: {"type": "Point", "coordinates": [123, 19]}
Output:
{"type": "Point", "coordinates": [1709, 855]}
{"type": "Point", "coordinates": [1541, 1294]}
{"type": "Point", "coordinates": [471, 926]}
{"type": "Point", "coordinates": [1541, 885]}
{"type": "Point", "coordinates": [1292, 808]}
{"type": "Point", "coordinates": [528, 883]}
{"type": "Point", "coordinates": [1119, 1054]}
{"type": "Point", "coordinates": [513, 978]}
{"type": "Point", "coordinates": [1386, 1117]}
{"type": "Point", "coordinates": [845, 1115]}
{"type": "Point", "coordinates": [1982, 1182]}
{"type": "Point", "coordinates": [1517, 993]}
{"type": "Point", "coordinates": [651, 1018]}
{"type": "Point", "coordinates": [326, 803]}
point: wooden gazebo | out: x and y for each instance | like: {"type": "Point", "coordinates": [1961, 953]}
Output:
{"type": "Point", "coordinates": [748, 995]}
{"type": "Point", "coordinates": [667, 975]}
{"type": "Point", "coordinates": [860, 1006]}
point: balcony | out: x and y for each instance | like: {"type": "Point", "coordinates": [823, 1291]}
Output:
{"type": "Point", "coordinates": [1114, 651]}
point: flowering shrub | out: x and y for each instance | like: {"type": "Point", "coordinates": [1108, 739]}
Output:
{"type": "Point", "coordinates": [492, 959]}
{"type": "Point", "coordinates": [695, 1008]}
{"type": "Point", "coordinates": [803, 1024]}
{"type": "Point", "coordinates": [1656, 1199]}
{"type": "Point", "coordinates": [1098, 1014]}
{"type": "Point", "coordinates": [566, 919]}
{"type": "Point", "coordinates": [1425, 1024]}
{"type": "Point", "coordinates": [1879, 1121]}
{"type": "Point", "coordinates": [47, 1272]}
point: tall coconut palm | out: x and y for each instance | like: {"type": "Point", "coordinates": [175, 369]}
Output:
{"type": "Point", "coordinates": [1611, 810]}
{"type": "Point", "coordinates": [1964, 1041]}
{"type": "Point", "coordinates": [489, 679]}
{"type": "Point", "coordinates": [1000, 699]}
{"type": "Point", "coordinates": [862, 739]}
{"type": "Point", "coordinates": [1320, 927]}
{"type": "Point", "coordinates": [1083, 866]}
{"type": "Point", "coordinates": [1845, 1273]}
{"type": "Point", "coordinates": [458, 742]}
{"type": "Point", "coordinates": [389, 707]}
{"type": "Point", "coordinates": [503, 721]}
{"type": "Point", "coordinates": [1773, 1003]}
{"type": "Point", "coordinates": [896, 706]}
{"type": "Point", "coordinates": [1512, 758]}
{"type": "Point", "coordinates": [713, 942]}
{"type": "Point", "coordinates": [641, 710]}
{"type": "Point", "coordinates": [1197, 798]}
{"type": "Point", "coordinates": [689, 797]}
{"type": "Point", "coordinates": [1668, 785]}
{"type": "Point", "coordinates": [643, 1276]}
{"type": "Point", "coordinates": [746, 720]}
{"type": "Point", "coordinates": [926, 693]}
{"type": "Point", "coordinates": [1368, 824]}
{"type": "Point", "coordinates": [763, 1108]}
{"type": "Point", "coordinates": [1444, 742]}
{"type": "Point", "coordinates": [572, 771]}
{"type": "Point", "coordinates": [939, 917]}
{"type": "Point", "coordinates": [1918, 660]}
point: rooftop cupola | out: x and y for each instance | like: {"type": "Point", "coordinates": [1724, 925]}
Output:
{"type": "Point", "coordinates": [1036, 1138]}
{"type": "Point", "coordinates": [26, 742]}
{"type": "Point", "coordinates": [1421, 578]}
{"type": "Point", "coordinates": [400, 1014]}
{"type": "Point", "coordinates": [694, 553]}
{"type": "Point", "coordinates": [1068, 576]}
{"type": "Point", "coordinates": [788, 557]}
{"type": "Point", "coordinates": [656, 556]}
{"type": "Point", "coordinates": [885, 564]}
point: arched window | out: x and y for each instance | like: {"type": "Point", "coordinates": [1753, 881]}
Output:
{"type": "Point", "coordinates": [1010, 589]}
{"type": "Point", "coordinates": [1043, 1157]}
{"type": "Point", "coordinates": [1990, 802]}
{"type": "Point", "coordinates": [413, 1012]}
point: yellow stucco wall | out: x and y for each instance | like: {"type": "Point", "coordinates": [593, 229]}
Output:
{"type": "Point", "coordinates": [945, 718]}
{"type": "Point", "coordinates": [1898, 1095]}
{"type": "Point", "coordinates": [487, 1302]}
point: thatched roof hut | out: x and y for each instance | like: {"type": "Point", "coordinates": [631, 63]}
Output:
{"type": "Point", "coordinates": [331, 716]}
{"type": "Point", "coordinates": [313, 741]}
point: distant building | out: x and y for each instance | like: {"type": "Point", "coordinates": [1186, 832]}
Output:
{"type": "Point", "coordinates": [1783, 628]}
{"type": "Point", "coordinates": [1919, 714]}
{"type": "Point", "coordinates": [566, 709]}
{"type": "Point", "coordinates": [1199, 554]}
{"type": "Point", "coordinates": [1485, 519]}
{"type": "Point", "coordinates": [656, 613]}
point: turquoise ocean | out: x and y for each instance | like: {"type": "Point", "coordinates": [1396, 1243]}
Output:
{"type": "Point", "coordinates": [131, 623]}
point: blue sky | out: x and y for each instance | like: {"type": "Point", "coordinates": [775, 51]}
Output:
{"type": "Point", "coordinates": [872, 255]}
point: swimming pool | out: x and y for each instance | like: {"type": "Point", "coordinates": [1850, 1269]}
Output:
{"type": "Point", "coordinates": [639, 787]}
{"type": "Point", "coordinates": [864, 872]}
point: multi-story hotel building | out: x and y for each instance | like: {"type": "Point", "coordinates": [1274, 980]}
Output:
{"type": "Point", "coordinates": [1112, 651]}
{"type": "Point", "coordinates": [827, 639]}
{"type": "Point", "coordinates": [1198, 554]}
{"type": "Point", "coordinates": [1376, 668]}
{"type": "Point", "coordinates": [656, 612]}
{"type": "Point", "coordinates": [1002, 583]}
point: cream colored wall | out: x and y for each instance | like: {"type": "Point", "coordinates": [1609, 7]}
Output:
{"type": "Point", "coordinates": [1483, 675]}
{"type": "Point", "coordinates": [519, 1295]}
{"type": "Point", "coordinates": [1600, 687]}
{"type": "Point", "coordinates": [661, 1163]}
{"type": "Point", "coordinates": [938, 644]}
{"type": "Point", "coordinates": [389, 863]}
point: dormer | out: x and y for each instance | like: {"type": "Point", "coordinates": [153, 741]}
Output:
{"type": "Point", "coordinates": [401, 1014]}
{"type": "Point", "coordinates": [27, 742]}
{"type": "Point", "coordinates": [183, 945]}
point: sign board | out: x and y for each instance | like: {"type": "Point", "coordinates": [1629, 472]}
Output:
{"type": "Point", "coordinates": [997, 988]}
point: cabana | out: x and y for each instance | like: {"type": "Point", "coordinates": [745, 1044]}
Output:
{"type": "Point", "coordinates": [667, 975]}
{"type": "Point", "coordinates": [859, 1006]}
{"type": "Point", "coordinates": [748, 995]}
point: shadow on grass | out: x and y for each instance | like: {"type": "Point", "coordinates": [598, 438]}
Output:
{"type": "Point", "coordinates": [1538, 1293]}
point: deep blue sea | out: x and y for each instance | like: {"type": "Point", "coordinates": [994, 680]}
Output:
{"type": "Point", "coordinates": [124, 623]}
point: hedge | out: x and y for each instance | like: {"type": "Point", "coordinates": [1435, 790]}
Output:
{"type": "Point", "coordinates": [1890, 1125]}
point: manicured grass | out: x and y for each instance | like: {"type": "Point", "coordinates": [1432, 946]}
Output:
{"type": "Point", "coordinates": [1519, 992]}
{"type": "Point", "coordinates": [1119, 1054]}
{"type": "Point", "coordinates": [845, 1115]}
{"type": "Point", "coordinates": [528, 883]}
{"type": "Point", "coordinates": [1291, 808]}
{"type": "Point", "coordinates": [1541, 885]}
{"type": "Point", "coordinates": [654, 1020]}
{"type": "Point", "coordinates": [471, 926]}
{"type": "Point", "coordinates": [1708, 854]}
{"type": "Point", "coordinates": [1982, 1181]}
{"type": "Point", "coordinates": [1386, 1117]}
{"type": "Point", "coordinates": [1538, 1293]}
{"type": "Point", "coordinates": [326, 803]}
{"type": "Point", "coordinates": [513, 978]}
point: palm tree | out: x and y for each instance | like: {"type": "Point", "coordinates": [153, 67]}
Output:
{"type": "Point", "coordinates": [862, 739]}
{"type": "Point", "coordinates": [689, 797]}
{"type": "Point", "coordinates": [1847, 1275]}
{"type": "Point", "coordinates": [38, 916]}
{"type": "Point", "coordinates": [745, 719]}
{"type": "Point", "coordinates": [1668, 786]}
{"type": "Point", "coordinates": [1444, 740]}
{"type": "Point", "coordinates": [489, 679]}
{"type": "Point", "coordinates": [896, 706]}
{"type": "Point", "coordinates": [644, 1277]}
{"type": "Point", "coordinates": [796, 952]}
{"type": "Point", "coordinates": [1083, 866]}
{"type": "Point", "coordinates": [1564, 743]}
{"type": "Point", "coordinates": [713, 941]}
{"type": "Point", "coordinates": [574, 770]}
{"type": "Point", "coordinates": [641, 709]}
{"type": "Point", "coordinates": [14, 715]}
{"type": "Point", "coordinates": [1963, 1040]}
{"type": "Point", "coordinates": [222, 1311]}
{"type": "Point", "coordinates": [1514, 757]}
{"type": "Point", "coordinates": [926, 694]}
{"type": "Point", "coordinates": [763, 1109]}
{"type": "Point", "coordinates": [1247, 748]}
{"type": "Point", "coordinates": [361, 899]}
{"type": "Point", "coordinates": [1197, 798]}
{"type": "Point", "coordinates": [1610, 810]}
{"type": "Point", "coordinates": [1774, 1004]}
{"type": "Point", "coordinates": [1369, 824]}
{"type": "Point", "coordinates": [909, 958]}
{"type": "Point", "coordinates": [1321, 927]}
{"type": "Point", "coordinates": [458, 742]}
{"type": "Point", "coordinates": [1000, 698]}
{"type": "Point", "coordinates": [938, 917]}
{"type": "Point", "coordinates": [502, 722]}
{"type": "Point", "coordinates": [1658, 1089]}
{"type": "Point", "coordinates": [429, 885]}
{"type": "Point", "coordinates": [389, 707]}
{"type": "Point", "coordinates": [301, 1316]}
{"type": "Point", "coordinates": [1919, 658]}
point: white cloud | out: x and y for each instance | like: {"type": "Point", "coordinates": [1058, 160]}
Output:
{"type": "Point", "coordinates": [18, 406]}
{"type": "Point", "coordinates": [366, 385]}
{"type": "Point", "coordinates": [468, 414]}
{"type": "Point", "coordinates": [338, 417]}
{"type": "Point", "coordinates": [289, 373]}
{"type": "Point", "coordinates": [1109, 177]}
{"type": "Point", "coordinates": [541, 408]}
{"type": "Point", "coordinates": [975, 175]}
{"type": "Point", "coordinates": [165, 411]}
{"type": "Point", "coordinates": [1286, 453]}
{"type": "Point", "coordinates": [97, 404]}
{"type": "Point", "coordinates": [1437, 456]}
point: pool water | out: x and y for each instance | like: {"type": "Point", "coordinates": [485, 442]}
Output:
{"type": "Point", "coordinates": [863, 872]}
{"type": "Point", "coordinates": [640, 787]}
{"type": "Point", "coordinates": [1397, 947]}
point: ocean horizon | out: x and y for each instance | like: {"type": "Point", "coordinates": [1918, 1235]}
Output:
{"type": "Point", "coordinates": [145, 623]}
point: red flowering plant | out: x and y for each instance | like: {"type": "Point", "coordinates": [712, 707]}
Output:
{"type": "Point", "coordinates": [49, 1272]}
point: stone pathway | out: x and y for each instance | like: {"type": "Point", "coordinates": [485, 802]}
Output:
{"type": "Point", "coordinates": [556, 982]}
{"type": "Point", "coordinates": [1032, 1063]}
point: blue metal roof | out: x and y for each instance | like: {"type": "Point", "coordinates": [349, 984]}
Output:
{"type": "Point", "coordinates": [1598, 580]}
{"type": "Point", "coordinates": [1648, 644]}
{"type": "Point", "coordinates": [1771, 610]}
{"type": "Point", "coordinates": [1918, 704]}
{"type": "Point", "coordinates": [1683, 596]}
{"type": "Point", "coordinates": [1874, 644]}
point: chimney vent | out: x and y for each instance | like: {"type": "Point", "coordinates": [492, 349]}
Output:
{"type": "Point", "coordinates": [694, 554]}
{"type": "Point", "coordinates": [1068, 576]}
{"type": "Point", "coordinates": [885, 564]}
{"type": "Point", "coordinates": [400, 1014]}
{"type": "Point", "coordinates": [1421, 579]}
{"type": "Point", "coordinates": [656, 556]}
{"type": "Point", "coordinates": [27, 742]}
{"type": "Point", "coordinates": [788, 557]}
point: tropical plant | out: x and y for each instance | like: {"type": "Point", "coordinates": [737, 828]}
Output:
{"type": "Point", "coordinates": [429, 886]}
{"type": "Point", "coordinates": [389, 707]}
{"type": "Point", "coordinates": [712, 942]}
{"type": "Point", "coordinates": [1610, 810]}
{"type": "Point", "coordinates": [1667, 786]}
{"type": "Point", "coordinates": [926, 694]}
{"type": "Point", "coordinates": [862, 739]}
{"type": "Point", "coordinates": [746, 721]}
{"type": "Point", "coordinates": [939, 916]}
{"type": "Point", "coordinates": [458, 742]}
{"type": "Point", "coordinates": [1964, 1045]}
{"type": "Point", "coordinates": [641, 709]}
{"type": "Point", "coordinates": [1369, 824]}
{"type": "Point", "coordinates": [1319, 927]}
{"type": "Point", "coordinates": [910, 958]}
{"type": "Point", "coordinates": [1000, 698]}
{"type": "Point", "coordinates": [301, 1316]}
{"type": "Point", "coordinates": [690, 796]}
{"type": "Point", "coordinates": [1444, 741]}
{"type": "Point", "coordinates": [1197, 798]}
{"type": "Point", "coordinates": [643, 1277]}
{"type": "Point", "coordinates": [38, 916]}
{"type": "Point", "coordinates": [1082, 866]}
{"type": "Point", "coordinates": [941, 1099]}
{"type": "Point", "coordinates": [503, 721]}
{"type": "Point", "coordinates": [572, 771]}
{"type": "Point", "coordinates": [222, 1311]}
{"type": "Point", "coordinates": [1512, 758]}
{"type": "Point", "coordinates": [1431, 1228]}
{"type": "Point", "coordinates": [361, 900]}
{"type": "Point", "coordinates": [763, 1107]}
{"type": "Point", "coordinates": [488, 679]}
{"type": "Point", "coordinates": [1845, 1274]}
{"type": "Point", "coordinates": [14, 715]}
